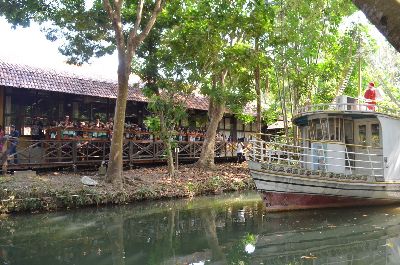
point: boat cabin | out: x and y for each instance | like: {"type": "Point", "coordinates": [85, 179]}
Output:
{"type": "Point", "coordinates": [351, 138]}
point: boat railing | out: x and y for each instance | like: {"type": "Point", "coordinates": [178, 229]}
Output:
{"type": "Point", "coordinates": [275, 138]}
{"type": "Point", "coordinates": [360, 106]}
{"type": "Point", "coordinates": [318, 158]}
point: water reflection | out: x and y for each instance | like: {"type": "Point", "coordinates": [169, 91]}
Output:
{"type": "Point", "coordinates": [230, 229]}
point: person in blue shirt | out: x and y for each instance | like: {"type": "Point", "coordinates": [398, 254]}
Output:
{"type": "Point", "coordinates": [12, 149]}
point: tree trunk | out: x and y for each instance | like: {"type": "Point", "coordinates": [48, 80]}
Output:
{"type": "Point", "coordinates": [170, 158]}
{"type": "Point", "coordinates": [126, 48]}
{"type": "Point", "coordinates": [115, 170]}
{"type": "Point", "coordinates": [384, 14]}
{"type": "Point", "coordinates": [167, 143]}
{"type": "Point", "coordinates": [215, 112]}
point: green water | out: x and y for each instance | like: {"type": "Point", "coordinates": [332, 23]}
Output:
{"type": "Point", "coordinates": [229, 229]}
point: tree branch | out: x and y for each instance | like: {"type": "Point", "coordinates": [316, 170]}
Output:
{"type": "Point", "coordinates": [115, 16]}
{"type": "Point", "coordinates": [108, 8]}
{"type": "Point", "coordinates": [134, 30]}
{"type": "Point", "coordinates": [139, 12]}
{"type": "Point", "coordinates": [157, 9]}
{"type": "Point", "coordinates": [135, 41]}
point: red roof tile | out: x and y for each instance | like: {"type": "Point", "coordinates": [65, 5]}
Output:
{"type": "Point", "coordinates": [23, 76]}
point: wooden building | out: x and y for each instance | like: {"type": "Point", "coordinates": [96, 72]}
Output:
{"type": "Point", "coordinates": [27, 93]}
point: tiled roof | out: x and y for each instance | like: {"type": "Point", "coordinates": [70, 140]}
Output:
{"type": "Point", "coordinates": [197, 102]}
{"type": "Point", "coordinates": [23, 76]}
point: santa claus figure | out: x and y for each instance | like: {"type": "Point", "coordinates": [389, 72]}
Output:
{"type": "Point", "coordinates": [371, 95]}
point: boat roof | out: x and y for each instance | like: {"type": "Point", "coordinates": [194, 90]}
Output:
{"type": "Point", "coordinates": [351, 110]}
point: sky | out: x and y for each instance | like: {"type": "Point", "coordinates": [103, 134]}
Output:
{"type": "Point", "coordinates": [29, 46]}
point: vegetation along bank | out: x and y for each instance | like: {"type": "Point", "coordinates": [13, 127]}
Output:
{"type": "Point", "coordinates": [64, 190]}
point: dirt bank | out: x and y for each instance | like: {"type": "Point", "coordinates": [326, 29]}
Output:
{"type": "Point", "coordinates": [64, 190]}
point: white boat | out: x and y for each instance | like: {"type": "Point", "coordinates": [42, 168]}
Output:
{"type": "Point", "coordinates": [347, 154]}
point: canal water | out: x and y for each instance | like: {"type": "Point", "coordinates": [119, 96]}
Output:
{"type": "Point", "coordinates": [227, 229]}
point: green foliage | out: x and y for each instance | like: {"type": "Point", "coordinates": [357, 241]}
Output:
{"type": "Point", "coordinates": [210, 46]}
{"type": "Point", "coordinates": [271, 114]}
{"type": "Point", "coordinates": [214, 46]}
{"type": "Point", "coordinates": [85, 31]}
{"type": "Point", "coordinates": [245, 118]}
{"type": "Point", "coordinates": [308, 54]}
{"type": "Point", "coordinates": [192, 188]}
{"type": "Point", "coordinates": [153, 123]}
{"type": "Point", "coordinates": [145, 193]}
{"type": "Point", "coordinates": [214, 184]}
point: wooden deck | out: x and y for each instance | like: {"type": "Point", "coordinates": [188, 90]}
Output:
{"type": "Point", "coordinates": [72, 153]}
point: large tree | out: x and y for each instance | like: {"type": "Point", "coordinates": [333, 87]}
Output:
{"type": "Point", "coordinates": [307, 53]}
{"type": "Point", "coordinates": [165, 87]}
{"type": "Point", "coordinates": [106, 26]}
{"type": "Point", "coordinates": [210, 45]}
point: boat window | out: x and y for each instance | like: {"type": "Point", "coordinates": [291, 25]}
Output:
{"type": "Point", "coordinates": [319, 131]}
{"type": "Point", "coordinates": [362, 134]}
{"type": "Point", "coordinates": [375, 140]}
{"type": "Point", "coordinates": [348, 131]}
{"type": "Point", "coordinates": [335, 129]}
{"type": "Point", "coordinates": [327, 129]}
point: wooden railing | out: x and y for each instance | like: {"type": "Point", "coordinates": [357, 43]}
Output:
{"type": "Point", "coordinates": [52, 153]}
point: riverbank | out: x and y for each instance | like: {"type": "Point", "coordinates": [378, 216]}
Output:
{"type": "Point", "coordinates": [64, 190]}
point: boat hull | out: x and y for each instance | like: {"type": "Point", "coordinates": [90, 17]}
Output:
{"type": "Point", "coordinates": [291, 201]}
{"type": "Point", "coordinates": [285, 191]}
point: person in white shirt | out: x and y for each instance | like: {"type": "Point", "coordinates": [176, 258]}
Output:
{"type": "Point", "coordinates": [239, 152]}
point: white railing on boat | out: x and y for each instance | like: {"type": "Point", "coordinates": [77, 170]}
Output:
{"type": "Point", "coordinates": [320, 160]}
{"type": "Point", "coordinates": [359, 107]}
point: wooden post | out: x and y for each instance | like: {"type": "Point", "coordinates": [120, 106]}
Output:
{"type": "Point", "coordinates": [176, 157]}
{"type": "Point", "coordinates": [59, 147]}
{"type": "Point", "coordinates": [74, 152]}
{"type": "Point", "coordinates": [154, 147]}
{"type": "Point", "coordinates": [262, 150]}
{"type": "Point", "coordinates": [130, 154]}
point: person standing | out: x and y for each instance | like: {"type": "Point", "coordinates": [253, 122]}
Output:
{"type": "Point", "coordinates": [371, 95]}
{"type": "Point", "coordinates": [35, 130]}
{"type": "Point", "coordinates": [67, 123]}
{"type": "Point", "coordinates": [12, 150]}
{"type": "Point", "coordinates": [239, 152]}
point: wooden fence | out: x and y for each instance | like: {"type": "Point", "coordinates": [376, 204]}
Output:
{"type": "Point", "coordinates": [58, 153]}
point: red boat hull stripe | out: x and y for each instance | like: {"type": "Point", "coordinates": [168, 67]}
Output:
{"type": "Point", "coordinates": [275, 201]}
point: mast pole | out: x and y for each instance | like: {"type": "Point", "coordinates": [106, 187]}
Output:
{"type": "Point", "coordinates": [359, 65]}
